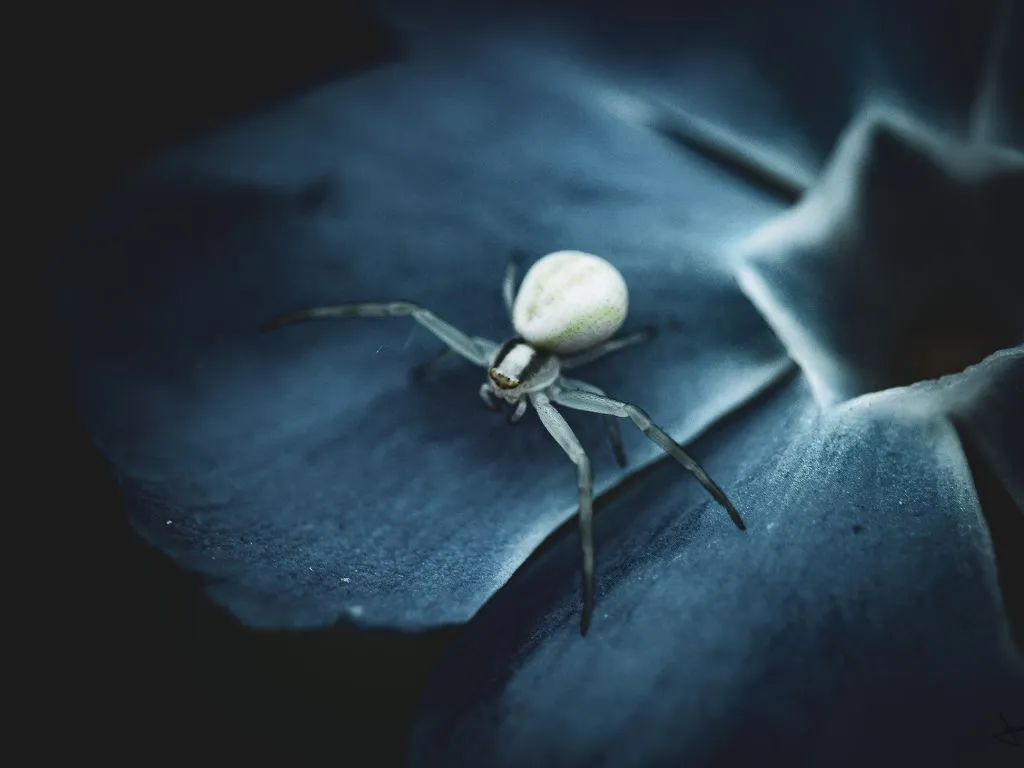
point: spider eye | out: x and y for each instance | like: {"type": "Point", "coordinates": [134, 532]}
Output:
{"type": "Point", "coordinates": [501, 380]}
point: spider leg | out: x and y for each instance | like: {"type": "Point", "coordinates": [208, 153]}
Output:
{"type": "Point", "coordinates": [487, 397]}
{"type": "Point", "coordinates": [487, 347]}
{"type": "Point", "coordinates": [424, 369]}
{"type": "Point", "coordinates": [612, 423]}
{"type": "Point", "coordinates": [508, 285]}
{"type": "Point", "coordinates": [563, 434]}
{"type": "Point", "coordinates": [612, 345]}
{"type": "Point", "coordinates": [449, 334]}
{"type": "Point", "coordinates": [517, 413]}
{"type": "Point", "coordinates": [589, 401]}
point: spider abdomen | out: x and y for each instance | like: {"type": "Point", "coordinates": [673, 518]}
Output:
{"type": "Point", "coordinates": [570, 301]}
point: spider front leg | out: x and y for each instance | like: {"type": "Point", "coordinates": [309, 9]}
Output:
{"type": "Point", "coordinates": [488, 397]}
{"type": "Point", "coordinates": [449, 334]}
{"type": "Point", "coordinates": [610, 421]}
{"type": "Point", "coordinates": [563, 434]}
{"type": "Point", "coordinates": [424, 369]}
{"type": "Point", "coordinates": [582, 400]}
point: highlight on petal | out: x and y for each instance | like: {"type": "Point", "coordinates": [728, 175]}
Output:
{"type": "Point", "coordinates": [981, 403]}
{"type": "Point", "coordinates": [858, 620]}
{"type": "Point", "coordinates": [998, 116]}
{"type": "Point", "coordinates": [902, 264]}
{"type": "Point", "coordinates": [300, 474]}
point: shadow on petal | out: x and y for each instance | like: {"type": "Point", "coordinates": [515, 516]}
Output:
{"type": "Point", "coordinates": [1005, 521]}
{"type": "Point", "coordinates": [990, 425]}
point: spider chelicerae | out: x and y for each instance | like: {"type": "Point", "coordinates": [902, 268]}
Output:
{"type": "Point", "coordinates": [565, 314]}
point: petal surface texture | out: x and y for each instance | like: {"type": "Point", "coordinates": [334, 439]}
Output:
{"type": "Point", "coordinates": [300, 473]}
{"type": "Point", "coordinates": [858, 619]}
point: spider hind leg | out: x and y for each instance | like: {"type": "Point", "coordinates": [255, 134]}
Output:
{"type": "Point", "coordinates": [560, 430]}
{"type": "Point", "coordinates": [611, 422]}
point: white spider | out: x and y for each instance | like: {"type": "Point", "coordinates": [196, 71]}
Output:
{"type": "Point", "coordinates": [567, 309]}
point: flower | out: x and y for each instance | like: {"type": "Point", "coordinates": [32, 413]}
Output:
{"type": "Point", "coordinates": [306, 481]}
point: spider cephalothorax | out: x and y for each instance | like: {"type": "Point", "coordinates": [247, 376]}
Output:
{"type": "Point", "coordinates": [566, 313]}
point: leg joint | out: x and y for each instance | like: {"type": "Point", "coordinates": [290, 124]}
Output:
{"type": "Point", "coordinates": [581, 460]}
{"type": "Point", "coordinates": [641, 419]}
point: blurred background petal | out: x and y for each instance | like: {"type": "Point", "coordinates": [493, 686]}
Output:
{"type": "Point", "coordinates": [777, 82]}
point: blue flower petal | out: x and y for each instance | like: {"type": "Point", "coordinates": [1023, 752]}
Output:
{"type": "Point", "coordinates": [857, 620]}
{"type": "Point", "coordinates": [301, 474]}
{"type": "Point", "coordinates": [902, 264]}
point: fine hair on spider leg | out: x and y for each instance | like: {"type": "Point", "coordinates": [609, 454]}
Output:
{"type": "Point", "coordinates": [583, 397]}
{"type": "Point", "coordinates": [565, 313]}
{"type": "Point", "coordinates": [583, 400]}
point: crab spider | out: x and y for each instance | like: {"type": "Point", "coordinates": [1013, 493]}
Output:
{"type": "Point", "coordinates": [565, 314]}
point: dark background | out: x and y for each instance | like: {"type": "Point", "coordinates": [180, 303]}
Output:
{"type": "Point", "coordinates": [135, 660]}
